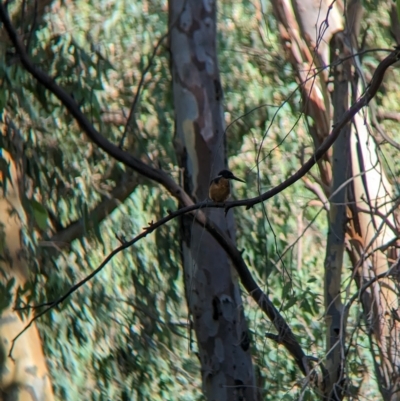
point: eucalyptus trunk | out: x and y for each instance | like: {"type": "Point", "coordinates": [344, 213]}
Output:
{"type": "Point", "coordinates": [212, 288]}
{"type": "Point", "coordinates": [361, 205]}
{"type": "Point", "coordinates": [24, 375]}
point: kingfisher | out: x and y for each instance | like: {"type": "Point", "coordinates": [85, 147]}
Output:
{"type": "Point", "coordinates": [220, 186]}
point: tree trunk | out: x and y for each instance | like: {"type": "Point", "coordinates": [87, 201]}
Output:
{"type": "Point", "coordinates": [335, 247]}
{"type": "Point", "coordinates": [24, 374]}
{"type": "Point", "coordinates": [212, 289]}
{"type": "Point", "coordinates": [370, 230]}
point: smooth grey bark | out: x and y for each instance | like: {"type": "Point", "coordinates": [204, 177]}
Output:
{"type": "Point", "coordinates": [212, 289]}
{"type": "Point", "coordinates": [336, 245]}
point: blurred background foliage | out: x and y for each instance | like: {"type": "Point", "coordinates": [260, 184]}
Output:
{"type": "Point", "coordinates": [125, 335]}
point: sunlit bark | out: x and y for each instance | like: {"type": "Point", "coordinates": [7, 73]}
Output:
{"type": "Point", "coordinates": [308, 28]}
{"type": "Point", "coordinates": [24, 375]}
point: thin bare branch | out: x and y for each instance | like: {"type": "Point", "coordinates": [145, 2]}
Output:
{"type": "Point", "coordinates": [389, 272]}
{"type": "Point", "coordinates": [284, 331]}
{"type": "Point", "coordinates": [159, 175]}
{"type": "Point", "coordinates": [139, 89]}
{"type": "Point", "coordinates": [285, 334]}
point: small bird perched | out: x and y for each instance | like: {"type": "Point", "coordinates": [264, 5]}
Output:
{"type": "Point", "coordinates": [220, 186]}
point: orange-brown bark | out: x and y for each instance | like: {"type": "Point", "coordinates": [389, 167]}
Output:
{"type": "Point", "coordinates": [24, 375]}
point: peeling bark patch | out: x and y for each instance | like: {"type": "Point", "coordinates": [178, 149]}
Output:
{"type": "Point", "coordinates": [32, 370]}
{"type": "Point", "coordinates": [7, 319]}
{"type": "Point", "coordinates": [209, 327]}
{"type": "Point", "coordinates": [22, 392]}
{"type": "Point", "coordinates": [210, 67]}
{"type": "Point", "coordinates": [190, 137]}
{"type": "Point", "coordinates": [200, 50]}
{"type": "Point", "coordinates": [186, 20]}
{"type": "Point", "coordinates": [207, 124]}
{"type": "Point", "coordinates": [198, 38]}
{"type": "Point", "coordinates": [31, 391]}
{"type": "Point", "coordinates": [189, 101]}
{"type": "Point", "coordinates": [184, 60]}
{"type": "Point", "coordinates": [207, 4]}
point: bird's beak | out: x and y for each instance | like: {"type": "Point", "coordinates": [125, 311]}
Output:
{"type": "Point", "coordinates": [237, 179]}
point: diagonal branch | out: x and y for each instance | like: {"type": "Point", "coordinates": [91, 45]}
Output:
{"type": "Point", "coordinates": [369, 93]}
{"type": "Point", "coordinates": [71, 105]}
{"type": "Point", "coordinates": [160, 176]}
{"type": "Point", "coordinates": [285, 333]}
{"type": "Point", "coordinates": [287, 337]}
{"type": "Point", "coordinates": [124, 187]}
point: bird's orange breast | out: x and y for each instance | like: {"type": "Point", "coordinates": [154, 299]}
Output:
{"type": "Point", "coordinates": [219, 190]}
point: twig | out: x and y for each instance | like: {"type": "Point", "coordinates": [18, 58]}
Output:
{"type": "Point", "coordinates": [378, 277]}
{"type": "Point", "coordinates": [159, 175]}
{"type": "Point", "coordinates": [139, 88]}
{"type": "Point", "coordinates": [285, 333]}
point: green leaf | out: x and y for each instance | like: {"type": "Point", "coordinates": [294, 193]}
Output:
{"type": "Point", "coordinates": [290, 303]}
{"type": "Point", "coordinates": [96, 229]}
{"type": "Point", "coordinates": [85, 216]}
{"type": "Point", "coordinates": [10, 284]}
{"type": "Point", "coordinates": [286, 289]}
{"type": "Point", "coordinates": [39, 214]}
{"type": "Point", "coordinates": [305, 305]}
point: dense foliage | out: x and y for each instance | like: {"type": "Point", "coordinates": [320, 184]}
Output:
{"type": "Point", "coordinates": [126, 333]}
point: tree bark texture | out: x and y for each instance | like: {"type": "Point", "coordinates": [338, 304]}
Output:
{"type": "Point", "coordinates": [336, 241]}
{"type": "Point", "coordinates": [372, 234]}
{"type": "Point", "coordinates": [372, 230]}
{"type": "Point", "coordinates": [23, 375]}
{"type": "Point", "coordinates": [307, 29]}
{"type": "Point", "coordinates": [212, 289]}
